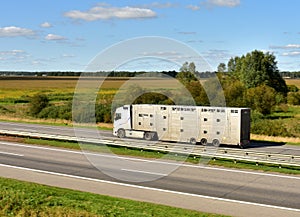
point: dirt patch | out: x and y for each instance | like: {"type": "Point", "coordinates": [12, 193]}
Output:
{"type": "Point", "coordinates": [11, 139]}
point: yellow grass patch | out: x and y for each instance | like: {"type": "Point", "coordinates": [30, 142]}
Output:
{"type": "Point", "coordinates": [275, 138]}
{"type": "Point", "coordinates": [295, 82]}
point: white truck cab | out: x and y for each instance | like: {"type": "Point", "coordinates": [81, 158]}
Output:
{"type": "Point", "coordinates": [122, 121]}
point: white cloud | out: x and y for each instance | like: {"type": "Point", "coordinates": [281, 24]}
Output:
{"type": "Point", "coordinates": [193, 7]}
{"type": "Point", "coordinates": [223, 3]}
{"type": "Point", "coordinates": [13, 31]}
{"type": "Point", "coordinates": [161, 53]}
{"type": "Point", "coordinates": [46, 25]}
{"type": "Point", "coordinates": [52, 37]}
{"type": "Point", "coordinates": [291, 54]}
{"type": "Point", "coordinates": [289, 46]}
{"type": "Point", "coordinates": [187, 33]}
{"type": "Point", "coordinates": [158, 5]}
{"type": "Point", "coordinates": [292, 46]}
{"type": "Point", "coordinates": [68, 55]}
{"type": "Point", "coordinates": [13, 55]}
{"type": "Point", "coordinates": [104, 13]}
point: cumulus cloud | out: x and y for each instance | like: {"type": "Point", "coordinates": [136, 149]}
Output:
{"type": "Point", "coordinates": [105, 13]}
{"type": "Point", "coordinates": [223, 3]}
{"type": "Point", "coordinates": [14, 31]}
{"type": "Point", "coordinates": [46, 25]}
{"type": "Point", "coordinates": [52, 37]}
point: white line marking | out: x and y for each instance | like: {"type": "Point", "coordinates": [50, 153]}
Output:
{"type": "Point", "coordinates": [139, 171]}
{"type": "Point", "coordinates": [9, 153]}
{"type": "Point", "coordinates": [152, 189]}
{"type": "Point", "coordinates": [153, 161]}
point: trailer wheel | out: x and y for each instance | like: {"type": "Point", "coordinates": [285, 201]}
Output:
{"type": "Point", "coordinates": [241, 146]}
{"type": "Point", "coordinates": [121, 133]}
{"type": "Point", "coordinates": [215, 142]}
{"type": "Point", "coordinates": [203, 141]}
{"type": "Point", "coordinates": [148, 136]}
{"type": "Point", "coordinates": [193, 141]}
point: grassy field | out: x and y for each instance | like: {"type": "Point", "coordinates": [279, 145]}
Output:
{"type": "Point", "coordinates": [295, 82]}
{"type": "Point", "coordinates": [19, 198]}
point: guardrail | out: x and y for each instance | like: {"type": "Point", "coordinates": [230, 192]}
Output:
{"type": "Point", "coordinates": [204, 151]}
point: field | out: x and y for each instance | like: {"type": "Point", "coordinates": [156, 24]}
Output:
{"type": "Point", "coordinates": [295, 82]}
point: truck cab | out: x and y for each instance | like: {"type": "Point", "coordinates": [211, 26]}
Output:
{"type": "Point", "coordinates": [122, 121]}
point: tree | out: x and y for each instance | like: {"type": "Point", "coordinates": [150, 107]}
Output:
{"type": "Point", "coordinates": [187, 73]}
{"type": "Point", "coordinates": [258, 68]}
{"type": "Point", "coordinates": [234, 93]}
{"type": "Point", "coordinates": [261, 99]}
{"type": "Point", "coordinates": [222, 67]}
{"type": "Point", "coordinates": [37, 103]}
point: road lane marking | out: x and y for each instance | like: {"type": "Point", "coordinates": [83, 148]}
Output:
{"type": "Point", "coordinates": [9, 153]}
{"type": "Point", "coordinates": [153, 161]}
{"type": "Point", "coordinates": [150, 188]}
{"type": "Point", "coordinates": [140, 171]}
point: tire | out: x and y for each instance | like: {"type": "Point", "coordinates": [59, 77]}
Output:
{"type": "Point", "coordinates": [203, 141]}
{"type": "Point", "coordinates": [215, 142]}
{"type": "Point", "coordinates": [193, 141]}
{"type": "Point", "coordinates": [148, 136]}
{"type": "Point", "coordinates": [121, 133]}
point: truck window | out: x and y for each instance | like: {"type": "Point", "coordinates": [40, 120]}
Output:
{"type": "Point", "coordinates": [117, 116]}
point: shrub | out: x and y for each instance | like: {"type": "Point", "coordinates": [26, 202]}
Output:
{"type": "Point", "coordinates": [37, 103]}
{"type": "Point", "coordinates": [270, 128]}
{"type": "Point", "coordinates": [293, 98]}
{"type": "Point", "coordinates": [261, 98]}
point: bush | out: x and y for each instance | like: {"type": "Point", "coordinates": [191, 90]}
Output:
{"type": "Point", "coordinates": [293, 98]}
{"type": "Point", "coordinates": [261, 98]}
{"type": "Point", "coordinates": [270, 128]}
{"type": "Point", "coordinates": [37, 103]}
{"type": "Point", "coordinates": [293, 88]}
{"type": "Point", "coordinates": [57, 112]}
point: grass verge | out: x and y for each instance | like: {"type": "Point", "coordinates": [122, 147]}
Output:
{"type": "Point", "coordinates": [19, 198]}
{"type": "Point", "coordinates": [154, 154]}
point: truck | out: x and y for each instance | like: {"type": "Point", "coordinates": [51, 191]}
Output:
{"type": "Point", "coordinates": [204, 125]}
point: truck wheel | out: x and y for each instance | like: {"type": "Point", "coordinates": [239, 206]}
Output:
{"type": "Point", "coordinates": [193, 141]}
{"type": "Point", "coordinates": [203, 141]}
{"type": "Point", "coordinates": [148, 136]}
{"type": "Point", "coordinates": [215, 142]}
{"type": "Point", "coordinates": [121, 133]}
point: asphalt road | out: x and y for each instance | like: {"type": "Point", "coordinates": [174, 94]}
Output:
{"type": "Point", "coordinates": [106, 134]}
{"type": "Point", "coordinates": [279, 193]}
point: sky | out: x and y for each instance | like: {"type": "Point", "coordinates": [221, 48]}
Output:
{"type": "Point", "coordinates": [65, 35]}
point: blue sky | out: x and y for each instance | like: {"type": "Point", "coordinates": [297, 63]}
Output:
{"type": "Point", "coordinates": [52, 35]}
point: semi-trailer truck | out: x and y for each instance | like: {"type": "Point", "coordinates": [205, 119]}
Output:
{"type": "Point", "coordinates": [179, 123]}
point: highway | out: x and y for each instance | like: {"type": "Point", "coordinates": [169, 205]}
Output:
{"type": "Point", "coordinates": [106, 134]}
{"type": "Point", "coordinates": [211, 189]}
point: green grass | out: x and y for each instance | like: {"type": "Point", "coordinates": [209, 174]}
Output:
{"type": "Point", "coordinates": [154, 154]}
{"type": "Point", "coordinates": [20, 198]}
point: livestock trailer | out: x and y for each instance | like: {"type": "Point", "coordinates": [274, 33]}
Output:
{"type": "Point", "coordinates": [179, 123]}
